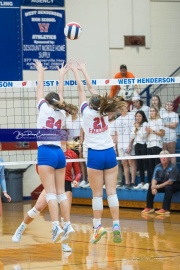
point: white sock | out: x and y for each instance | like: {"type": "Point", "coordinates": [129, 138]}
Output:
{"type": "Point", "coordinates": [67, 223]}
{"type": "Point", "coordinates": [96, 222]}
{"type": "Point", "coordinates": [116, 222]}
{"type": "Point", "coordinates": [54, 224]}
{"type": "Point", "coordinates": [23, 225]}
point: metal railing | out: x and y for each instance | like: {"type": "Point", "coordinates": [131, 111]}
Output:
{"type": "Point", "coordinates": [148, 88]}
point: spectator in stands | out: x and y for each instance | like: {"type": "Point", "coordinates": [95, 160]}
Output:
{"type": "Point", "coordinates": [75, 132]}
{"type": "Point", "coordinates": [112, 118]}
{"type": "Point", "coordinates": [72, 175]}
{"type": "Point", "coordinates": [51, 159]}
{"type": "Point", "coordinates": [139, 136]}
{"type": "Point", "coordinates": [73, 126]}
{"type": "Point", "coordinates": [138, 105]}
{"type": "Point", "coordinates": [122, 74]}
{"type": "Point", "coordinates": [155, 132]}
{"type": "Point", "coordinates": [123, 126]}
{"type": "Point", "coordinates": [164, 181]}
{"type": "Point", "coordinates": [3, 183]}
{"type": "Point", "coordinates": [101, 162]}
{"type": "Point", "coordinates": [170, 121]}
{"type": "Point", "coordinates": [83, 154]}
{"type": "Point", "coordinates": [156, 102]}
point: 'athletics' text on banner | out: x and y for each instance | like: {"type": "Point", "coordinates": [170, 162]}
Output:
{"type": "Point", "coordinates": [43, 38]}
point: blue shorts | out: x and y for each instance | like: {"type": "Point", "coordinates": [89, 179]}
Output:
{"type": "Point", "coordinates": [51, 155]}
{"type": "Point", "coordinates": [101, 159]}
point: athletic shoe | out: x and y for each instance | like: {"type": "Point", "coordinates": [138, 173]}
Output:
{"type": "Point", "coordinates": [82, 183]}
{"type": "Point", "coordinates": [68, 233]}
{"type": "Point", "coordinates": [162, 212]}
{"type": "Point", "coordinates": [120, 185]}
{"type": "Point", "coordinates": [145, 187]}
{"type": "Point", "coordinates": [86, 186]}
{"type": "Point", "coordinates": [18, 234]}
{"type": "Point", "coordinates": [97, 234]}
{"type": "Point", "coordinates": [139, 186]}
{"type": "Point", "coordinates": [66, 247]}
{"type": "Point", "coordinates": [117, 234]}
{"type": "Point", "coordinates": [126, 186]}
{"type": "Point", "coordinates": [132, 185]}
{"type": "Point", "coordinates": [147, 211]}
{"type": "Point", "coordinates": [56, 233]}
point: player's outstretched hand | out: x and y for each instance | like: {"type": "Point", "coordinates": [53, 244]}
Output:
{"type": "Point", "coordinates": [63, 69]}
{"type": "Point", "coordinates": [81, 65]}
{"type": "Point", "coordinates": [39, 65]}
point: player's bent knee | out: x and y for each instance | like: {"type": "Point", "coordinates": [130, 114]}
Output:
{"type": "Point", "coordinates": [32, 213]}
{"type": "Point", "coordinates": [113, 200]}
{"type": "Point", "coordinates": [97, 203]}
{"type": "Point", "coordinates": [50, 197]}
{"type": "Point", "coordinates": [61, 197]}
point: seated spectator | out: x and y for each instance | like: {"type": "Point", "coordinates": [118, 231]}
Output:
{"type": "Point", "coordinates": [138, 105]}
{"type": "Point", "coordinates": [122, 74]}
{"type": "Point", "coordinates": [156, 102]}
{"type": "Point", "coordinates": [164, 181]}
{"type": "Point", "coordinates": [139, 135]}
{"type": "Point", "coordinates": [170, 121]}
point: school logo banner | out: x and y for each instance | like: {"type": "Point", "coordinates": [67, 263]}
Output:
{"type": "Point", "coordinates": [43, 38]}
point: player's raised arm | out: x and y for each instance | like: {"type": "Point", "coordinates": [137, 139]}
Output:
{"type": "Point", "coordinates": [62, 71]}
{"type": "Point", "coordinates": [82, 94]}
{"type": "Point", "coordinates": [40, 85]}
{"type": "Point", "coordinates": [81, 65]}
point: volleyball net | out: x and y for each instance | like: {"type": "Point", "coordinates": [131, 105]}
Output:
{"type": "Point", "coordinates": [18, 108]}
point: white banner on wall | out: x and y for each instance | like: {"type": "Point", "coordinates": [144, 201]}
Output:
{"type": "Point", "coordinates": [95, 82]}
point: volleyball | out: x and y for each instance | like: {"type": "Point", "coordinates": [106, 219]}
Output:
{"type": "Point", "coordinates": [72, 30]}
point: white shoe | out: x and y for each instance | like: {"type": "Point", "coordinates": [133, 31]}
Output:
{"type": "Point", "coordinates": [82, 183]}
{"type": "Point", "coordinates": [146, 186]}
{"type": "Point", "coordinates": [17, 267]}
{"type": "Point", "coordinates": [139, 186]}
{"type": "Point", "coordinates": [56, 233]}
{"type": "Point", "coordinates": [68, 233]}
{"type": "Point", "coordinates": [66, 247]}
{"type": "Point", "coordinates": [86, 186]}
{"type": "Point", "coordinates": [18, 234]}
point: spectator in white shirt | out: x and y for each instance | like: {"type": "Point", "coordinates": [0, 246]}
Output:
{"type": "Point", "coordinates": [156, 102]}
{"type": "Point", "coordinates": [155, 132]}
{"type": "Point", "coordinates": [170, 121]}
{"type": "Point", "coordinates": [138, 105]}
{"type": "Point", "coordinates": [139, 136]}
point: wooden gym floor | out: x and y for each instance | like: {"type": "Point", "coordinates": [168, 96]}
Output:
{"type": "Point", "coordinates": [149, 242]}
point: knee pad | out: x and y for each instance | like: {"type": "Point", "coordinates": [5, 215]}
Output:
{"type": "Point", "coordinates": [50, 197]}
{"type": "Point", "coordinates": [32, 213]}
{"type": "Point", "coordinates": [113, 200]}
{"type": "Point", "coordinates": [97, 203]}
{"type": "Point", "coordinates": [61, 197]}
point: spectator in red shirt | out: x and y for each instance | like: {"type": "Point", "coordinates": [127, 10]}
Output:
{"type": "Point", "coordinates": [41, 201]}
{"type": "Point", "coordinates": [122, 74]}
